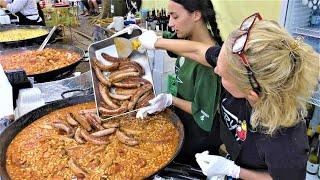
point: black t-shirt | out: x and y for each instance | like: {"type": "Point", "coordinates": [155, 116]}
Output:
{"type": "Point", "coordinates": [212, 55]}
{"type": "Point", "coordinates": [283, 155]}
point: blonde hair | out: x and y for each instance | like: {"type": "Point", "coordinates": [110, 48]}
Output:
{"type": "Point", "coordinates": [287, 70]}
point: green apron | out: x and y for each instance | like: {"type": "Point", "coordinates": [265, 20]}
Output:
{"type": "Point", "coordinates": [199, 85]}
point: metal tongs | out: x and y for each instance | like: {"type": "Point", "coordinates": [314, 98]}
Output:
{"type": "Point", "coordinates": [123, 114]}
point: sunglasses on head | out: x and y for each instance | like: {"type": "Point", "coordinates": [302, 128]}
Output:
{"type": "Point", "coordinates": [239, 46]}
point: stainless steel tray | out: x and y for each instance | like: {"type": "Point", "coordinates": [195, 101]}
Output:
{"type": "Point", "coordinates": [107, 46]}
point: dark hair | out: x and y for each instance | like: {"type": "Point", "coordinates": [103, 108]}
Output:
{"type": "Point", "coordinates": [208, 14]}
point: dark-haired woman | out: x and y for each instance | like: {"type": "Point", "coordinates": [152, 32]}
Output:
{"type": "Point", "coordinates": [198, 88]}
{"type": "Point", "coordinates": [263, 71]}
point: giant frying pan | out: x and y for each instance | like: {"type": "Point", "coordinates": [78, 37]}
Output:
{"type": "Point", "coordinates": [54, 74]}
{"type": "Point", "coordinates": [25, 42]}
{"type": "Point", "coordinates": [10, 132]}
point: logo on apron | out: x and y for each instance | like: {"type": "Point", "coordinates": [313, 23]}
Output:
{"type": "Point", "coordinates": [204, 115]}
{"type": "Point", "coordinates": [179, 64]}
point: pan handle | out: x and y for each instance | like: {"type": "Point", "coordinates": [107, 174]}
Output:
{"type": "Point", "coordinates": [85, 58]}
{"type": "Point", "coordinates": [84, 91]}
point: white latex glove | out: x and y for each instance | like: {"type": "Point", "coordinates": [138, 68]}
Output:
{"type": "Point", "coordinates": [148, 39]}
{"type": "Point", "coordinates": [212, 165]}
{"type": "Point", "coordinates": [128, 30]}
{"type": "Point", "coordinates": [143, 112]}
{"type": "Point", "coordinates": [157, 104]}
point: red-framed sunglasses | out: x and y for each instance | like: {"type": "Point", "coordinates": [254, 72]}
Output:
{"type": "Point", "coordinates": [239, 46]}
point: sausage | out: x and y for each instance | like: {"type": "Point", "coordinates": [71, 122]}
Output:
{"type": "Point", "coordinates": [64, 127]}
{"type": "Point", "coordinates": [17, 161]}
{"type": "Point", "coordinates": [140, 70]}
{"type": "Point", "coordinates": [122, 91]}
{"type": "Point", "coordinates": [77, 136]}
{"type": "Point", "coordinates": [96, 118]}
{"type": "Point", "coordinates": [114, 73]}
{"type": "Point", "coordinates": [126, 139]}
{"type": "Point", "coordinates": [105, 97]}
{"type": "Point", "coordinates": [101, 77]}
{"type": "Point", "coordinates": [113, 59]}
{"type": "Point", "coordinates": [103, 132]}
{"type": "Point", "coordinates": [82, 121]}
{"type": "Point", "coordinates": [103, 67]}
{"type": "Point", "coordinates": [92, 139]}
{"type": "Point", "coordinates": [144, 96]}
{"type": "Point", "coordinates": [70, 120]}
{"type": "Point", "coordinates": [141, 162]}
{"type": "Point", "coordinates": [137, 95]}
{"type": "Point", "coordinates": [93, 122]}
{"type": "Point", "coordinates": [111, 125]}
{"type": "Point", "coordinates": [103, 104]}
{"type": "Point", "coordinates": [76, 169]}
{"type": "Point", "coordinates": [137, 80]}
{"type": "Point", "coordinates": [144, 101]}
{"type": "Point", "coordinates": [123, 76]}
{"type": "Point", "coordinates": [110, 112]}
{"type": "Point", "coordinates": [125, 63]}
{"type": "Point", "coordinates": [119, 96]}
{"type": "Point", "coordinates": [131, 131]}
{"type": "Point", "coordinates": [93, 163]}
{"type": "Point", "coordinates": [96, 150]}
{"type": "Point", "coordinates": [132, 64]}
{"type": "Point", "coordinates": [85, 111]}
{"type": "Point", "coordinates": [116, 168]}
{"type": "Point", "coordinates": [126, 85]}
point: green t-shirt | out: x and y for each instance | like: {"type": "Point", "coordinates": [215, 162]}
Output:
{"type": "Point", "coordinates": [201, 86]}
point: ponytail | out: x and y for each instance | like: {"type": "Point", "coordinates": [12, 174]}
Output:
{"type": "Point", "coordinates": [211, 18]}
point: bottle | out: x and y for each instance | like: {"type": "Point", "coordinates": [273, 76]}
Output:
{"type": "Point", "coordinates": [163, 20]}
{"type": "Point", "coordinates": [148, 21]}
{"type": "Point", "coordinates": [153, 19]}
{"type": "Point", "coordinates": [157, 21]}
{"type": "Point", "coordinates": [313, 160]}
{"type": "Point", "coordinates": [310, 134]}
{"type": "Point", "coordinates": [167, 22]}
{"type": "Point", "coordinates": [6, 95]}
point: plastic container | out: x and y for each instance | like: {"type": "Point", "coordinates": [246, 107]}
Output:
{"type": "Point", "coordinates": [6, 98]}
{"type": "Point", "coordinates": [161, 81]}
{"type": "Point", "coordinates": [163, 62]}
{"type": "Point", "coordinates": [5, 19]}
{"type": "Point", "coordinates": [28, 100]}
{"type": "Point", "coordinates": [2, 12]}
{"type": "Point", "coordinates": [118, 23]}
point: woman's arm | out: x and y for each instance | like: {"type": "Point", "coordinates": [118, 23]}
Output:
{"type": "Point", "coordinates": [251, 174]}
{"type": "Point", "coordinates": [182, 104]}
{"type": "Point", "coordinates": [190, 49]}
{"type": "Point", "coordinates": [16, 6]}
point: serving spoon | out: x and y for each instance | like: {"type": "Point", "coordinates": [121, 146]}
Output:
{"type": "Point", "coordinates": [44, 43]}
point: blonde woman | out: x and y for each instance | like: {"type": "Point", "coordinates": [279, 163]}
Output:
{"type": "Point", "coordinates": [266, 74]}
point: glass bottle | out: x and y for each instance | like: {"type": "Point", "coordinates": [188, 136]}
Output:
{"type": "Point", "coordinates": [313, 159]}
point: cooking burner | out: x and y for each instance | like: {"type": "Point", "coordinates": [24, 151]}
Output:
{"type": "Point", "coordinates": [179, 171]}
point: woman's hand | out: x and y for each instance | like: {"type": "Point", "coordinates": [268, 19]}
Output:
{"type": "Point", "coordinates": [157, 104]}
{"type": "Point", "coordinates": [148, 39]}
{"type": "Point", "coordinates": [212, 165]}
